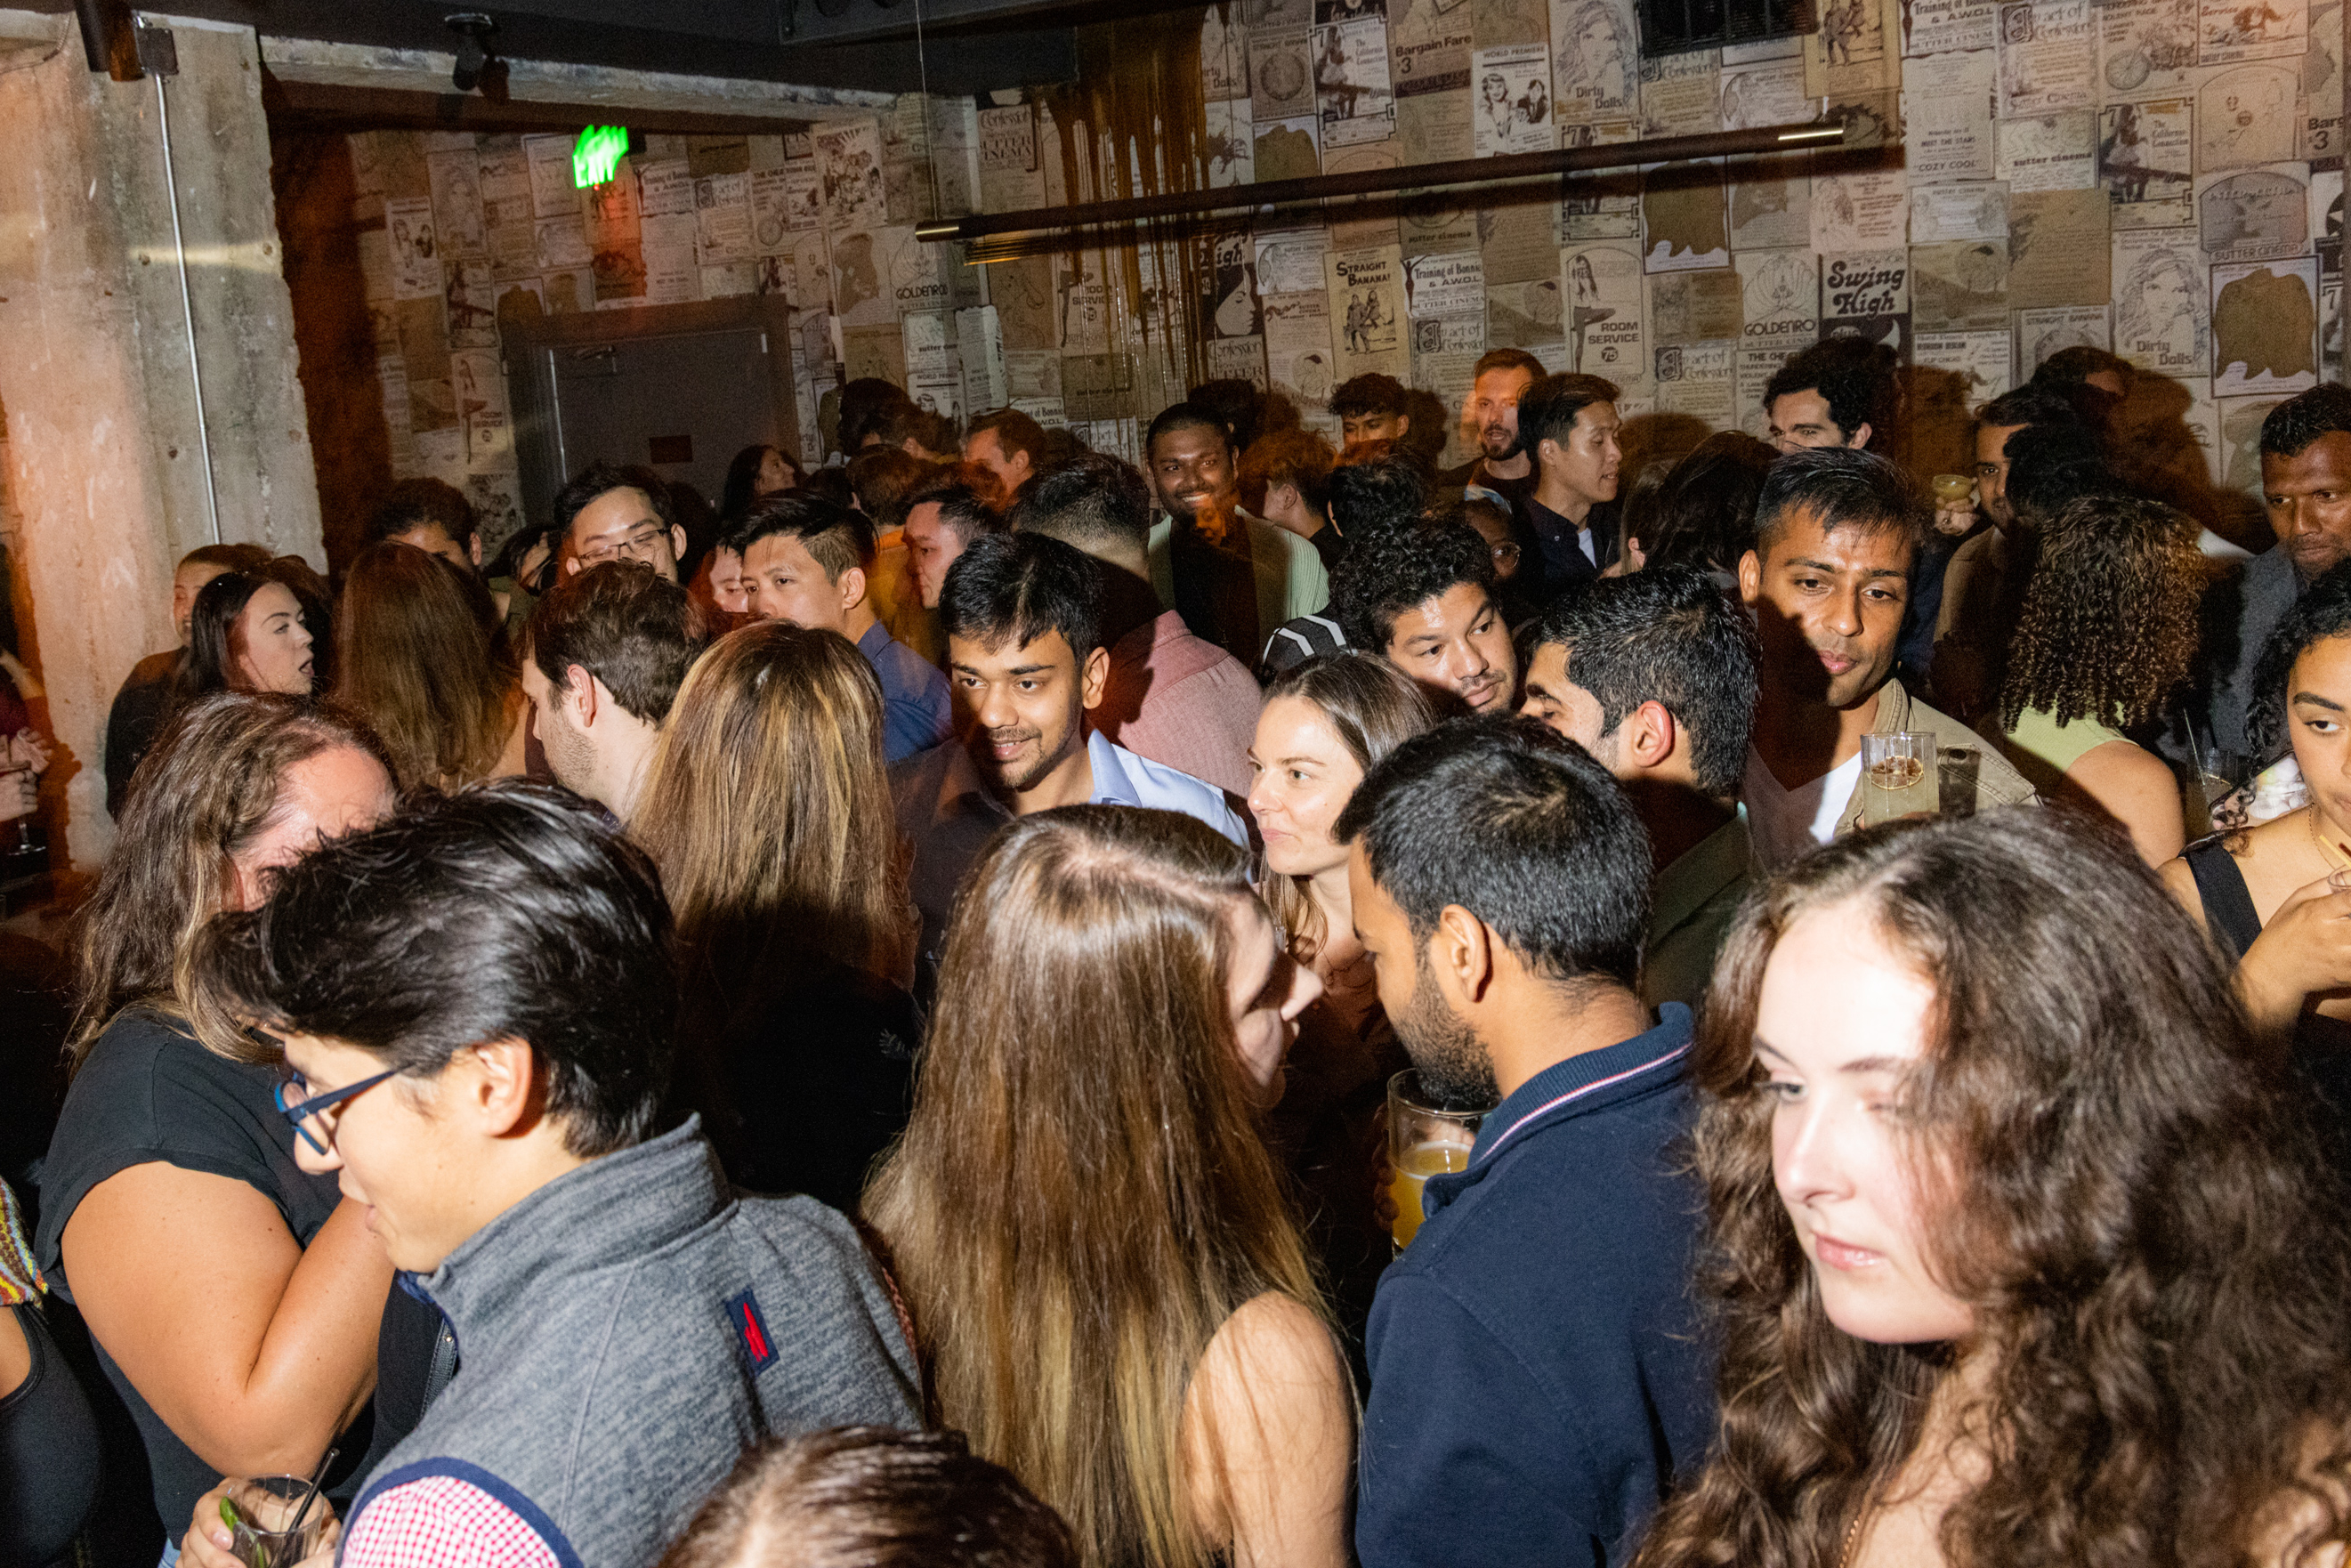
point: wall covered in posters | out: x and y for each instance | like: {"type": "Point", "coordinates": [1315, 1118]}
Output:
{"type": "Point", "coordinates": [2162, 178]}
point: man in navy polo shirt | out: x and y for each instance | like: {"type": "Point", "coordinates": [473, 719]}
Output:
{"type": "Point", "coordinates": [1539, 1377]}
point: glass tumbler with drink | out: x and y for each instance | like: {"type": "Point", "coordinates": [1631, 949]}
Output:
{"type": "Point", "coordinates": [1427, 1136]}
{"type": "Point", "coordinates": [1954, 504]}
{"type": "Point", "coordinates": [1898, 777]}
{"type": "Point", "coordinates": [275, 1521]}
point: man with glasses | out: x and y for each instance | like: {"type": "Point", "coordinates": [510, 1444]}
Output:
{"type": "Point", "coordinates": [611, 513]}
{"type": "Point", "coordinates": [505, 953]}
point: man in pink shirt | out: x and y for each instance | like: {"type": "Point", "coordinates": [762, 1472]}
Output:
{"type": "Point", "coordinates": [1172, 698]}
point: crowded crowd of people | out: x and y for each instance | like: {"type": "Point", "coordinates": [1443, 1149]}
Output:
{"type": "Point", "coordinates": [975, 1005]}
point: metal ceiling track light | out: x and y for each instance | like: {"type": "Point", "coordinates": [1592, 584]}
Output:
{"type": "Point", "coordinates": [1415, 177]}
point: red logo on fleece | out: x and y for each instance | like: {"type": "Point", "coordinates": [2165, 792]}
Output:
{"type": "Point", "coordinates": [752, 1328]}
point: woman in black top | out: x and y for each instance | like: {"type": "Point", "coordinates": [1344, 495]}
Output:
{"type": "Point", "coordinates": [234, 1301]}
{"type": "Point", "coordinates": [49, 1458]}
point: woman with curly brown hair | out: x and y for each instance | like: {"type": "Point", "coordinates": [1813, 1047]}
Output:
{"type": "Point", "coordinates": [2020, 1257]}
{"type": "Point", "coordinates": [2105, 635]}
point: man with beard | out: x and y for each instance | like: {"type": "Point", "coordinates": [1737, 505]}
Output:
{"type": "Point", "coordinates": [1023, 617]}
{"type": "Point", "coordinates": [1836, 535]}
{"type": "Point", "coordinates": [1232, 576]}
{"type": "Point", "coordinates": [2306, 489]}
{"type": "Point", "coordinates": [606, 651]}
{"type": "Point", "coordinates": [1490, 418]}
{"type": "Point", "coordinates": [1539, 1373]}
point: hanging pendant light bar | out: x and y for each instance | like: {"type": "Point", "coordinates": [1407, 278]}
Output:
{"type": "Point", "coordinates": [1406, 177]}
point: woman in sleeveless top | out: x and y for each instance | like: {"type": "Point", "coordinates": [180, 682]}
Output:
{"type": "Point", "coordinates": [1324, 724]}
{"type": "Point", "coordinates": [1106, 1284]}
{"type": "Point", "coordinates": [2018, 1258]}
{"type": "Point", "coordinates": [2105, 635]}
{"type": "Point", "coordinates": [2270, 894]}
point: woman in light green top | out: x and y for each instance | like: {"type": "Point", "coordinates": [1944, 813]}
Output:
{"type": "Point", "coordinates": [2105, 635]}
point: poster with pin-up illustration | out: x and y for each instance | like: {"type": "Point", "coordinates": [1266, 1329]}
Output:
{"type": "Point", "coordinates": [2231, 31]}
{"type": "Point", "coordinates": [1512, 112]}
{"type": "Point", "coordinates": [1856, 48]}
{"type": "Point", "coordinates": [1595, 71]}
{"type": "Point", "coordinates": [2160, 318]}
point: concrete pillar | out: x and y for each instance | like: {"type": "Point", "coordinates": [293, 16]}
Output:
{"type": "Point", "coordinates": [107, 439]}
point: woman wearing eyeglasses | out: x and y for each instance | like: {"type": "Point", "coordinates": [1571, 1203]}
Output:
{"type": "Point", "coordinates": [235, 1300]}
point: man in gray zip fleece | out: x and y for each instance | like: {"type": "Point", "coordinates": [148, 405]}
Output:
{"type": "Point", "coordinates": [476, 1000]}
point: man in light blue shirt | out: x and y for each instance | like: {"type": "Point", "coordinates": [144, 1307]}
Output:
{"type": "Point", "coordinates": [1022, 616]}
{"type": "Point", "coordinates": [810, 562]}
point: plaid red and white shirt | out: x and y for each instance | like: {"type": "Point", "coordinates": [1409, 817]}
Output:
{"type": "Point", "coordinates": [444, 1521]}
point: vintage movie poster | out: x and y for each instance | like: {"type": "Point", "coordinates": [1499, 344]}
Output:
{"type": "Point", "coordinates": [1601, 205]}
{"type": "Point", "coordinates": [1981, 363]}
{"type": "Point", "coordinates": [2147, 48]}
{"type": "Point", "coordinates": [848, 162]}
{"type": "Point", "coordinates": [1224, 55]}
{"type": "Point", "coordinates": [1511, 110]}
{"type": "Point", "coordinates": [1780, 297]}
{"type": "Point", "coordinates": [1771, 214]}
{"type": "Point", "coordinates": [1684, 219]}
{"type": "Point", "coordinates": [1525, 315]}
{"type": "Point", "coordinates": [1940, 214]}
{"type": "Point", "coordinates": [1231, 143]}
{"type": "Point", "coordinates": [553, 193]}
{"type": "Point", "coordinates": [1769, 92]}
{"type": "Point", "coordinates": [2247, 116]}
{"type": "Point", "coordinates": [1686, 306]}
{"type": "Point", "coordinates": [1940, 27]}
{"type": "Point", "coordinates": [2254, 214]}
{"type": "Point", "coordinates": [1297, 354]}
{"type": "Point", "coordinates": [2053, 153]}
{"type": "Point", "coordinates": [1368, 313]}
{"type": "Point", "coordinates": [1286, 148]}
{"type": "Point", "coordinates": [721, 214]}
{"type": "Point", "coordinates": [456, 181]}
{"type": "Point", "coordinates": [1352, 94]}
{"type": "Point", "coordinates": [1859, 212]}
{"type": "Point", "coordinates": [2160, 320]}
{"type": "Point", "coordinates": [1680, 95]}
{"type": "Point", "coordinates": [2057, 249]}
{"type": "Point", "coordinates": [2265, 328]}
{"type": "Point", "coordinates": [2144, 163]}
{"type": "Point", "coordinates": [2048, 57]}
{"type": "Point", "coordinates": [1292, 261]}
{"type": "Point", "coordinates": [2231, 31]}
{"type": "Point", "coordinates": [1452, 285]}
{"type": "Point", "coordinates": [1960, 285]}
{"type": "Point", "coordinates": [2041, 333]}
{"type": "Point", "coordinates": [1228, 307]}
{"type": "Point", "coordinates": [1281, 74]}
{"type": "Point", "coordinates": [1856, 48]}
{"type": "Point", "coordinates": [1695, 378]}
{"type": "Point", "coordinates": [1600, 289]}
{"type": "Point", "coordinates": [1595, 61]}
{"type": "Point", "coordinates": [416, 253]}
{"type": "Point", "coordinates": [1858, 292]}
{"type": "Point", "coordinates": [1947, 99]}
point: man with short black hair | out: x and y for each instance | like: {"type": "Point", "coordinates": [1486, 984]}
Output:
{"type": "Point", "coordinates": [1228, 573]}
{"type": "Point", "coordinates": [942, 519]}
{"type": "Point", "coordinates": [1567, 424]}
{"type": "Point", "coordinates": [1370, 407]}
{"type": "Point", "coordinates": [611, 513]}
{"type": "Point", "coordinates": [1423, 597]}
{"type": "Point", "coordinates": [1653, 674]}
{"type": "Point", "coordinates": [1838, 392]}
{"type": "Point", "coordinates": [867, 403]}
{"type": "Point", "coordinates": [1010, 444]}
{"type": "Point", "coordinates": [1168, 696]}
{"type": "Point", "coordinates": [606, 651]}
{"type": "Point", "coordinates": [627, 1323]}
{"type": "Point", "coordinates": [2306, 490]}
{"type": "Point", "coordinates": [1022, 614]}
{"type": "Point", "coordinates": [435, 516]}
{"type": "Point", "coordinates": [810, 562]}
{"type": "Point", "coordinates": [1540, 1374]}
{"type": "Point", "coordinates": [1374, 488]}
{"type": "Point", "coordinates": [1835, 532]}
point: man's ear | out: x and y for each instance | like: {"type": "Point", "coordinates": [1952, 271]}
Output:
{"type": "Point", "coordinates": [1403, 424]}
{"type": "Point", "coordinates": [677, 541]}
{"type": "Point", "coordinates": [1860, 436]}
{"type": "Point", "coordinates": [1273, 505]}
{"type": "Point", "coordinates": [580, 694]}
{"type": "Point", "coordinates": [853, 587]}
{"type": "Point", "coordinates": [1649, 733]}
{"type": "Point", "coordinates": [500, 1089]}
{"type": "Point", "coordinates": [1461, 957]}
{"type": "Point", "coordinates": [1095, 678]}
{"type": "Point", "coordinates": [1751, 577]}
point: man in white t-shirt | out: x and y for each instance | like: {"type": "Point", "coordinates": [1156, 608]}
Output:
{"type": "Point", "coordinates": [1836, 529]}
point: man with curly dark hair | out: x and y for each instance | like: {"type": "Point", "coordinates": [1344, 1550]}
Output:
{"type": "Point", "coordinates": [1370, 407]}
{"type": "Point", "coordinates": [1839, 392]}
{"type": "Point", "coordinates": [1422, 598]}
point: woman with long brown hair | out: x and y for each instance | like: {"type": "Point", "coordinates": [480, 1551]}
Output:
{"type": "Point", "coordinates": [233, 1299]}
{"type": "Point", "coordinates": [2103, 641]}
{"type": "Point", "coordinates": [1324, 724]}
{"type": "Point", "coordinates": [1105, 1280]}
{"type": "Point", "coordinates": [768, 810]}
{"type": "Point", "coordinates": [2021, 1256]}
{"type": "Point", "coordinates": [420, 656]}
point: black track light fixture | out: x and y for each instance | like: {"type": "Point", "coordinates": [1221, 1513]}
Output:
{"type": "Point", "coordinates": [475, 56]}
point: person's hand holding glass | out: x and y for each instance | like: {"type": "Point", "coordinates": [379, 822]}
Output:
{"type": "Point", "coordinates": [1955, 504]}
{"type": "Point", "coordinates": [265, 1534]}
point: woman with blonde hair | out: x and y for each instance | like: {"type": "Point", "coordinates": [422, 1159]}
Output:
{"type": "Point", "coordinates": [234, 1301]}
{"type": "Point", "coordinates": [1111, 1297]}
{"type": "Point", "coordinates": [768, 810]}
{"type": "Point", "coordinates": [420, 656]}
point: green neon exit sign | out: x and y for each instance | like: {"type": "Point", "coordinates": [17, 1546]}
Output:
{"type": "Point", "coordinates": [596, 155]}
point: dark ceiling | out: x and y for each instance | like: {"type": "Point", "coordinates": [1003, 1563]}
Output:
{"type": "Point", "coordinates": [966, 45]}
